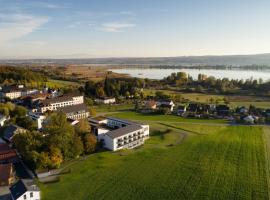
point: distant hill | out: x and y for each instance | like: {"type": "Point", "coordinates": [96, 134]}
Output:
{"type": "Point", "coordinates": [234, 60]}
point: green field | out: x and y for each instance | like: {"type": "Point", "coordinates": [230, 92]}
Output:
{"type": "Point", "coordinates": [162, 118]}
{"type": "Point", "coordinates": [179, 161]}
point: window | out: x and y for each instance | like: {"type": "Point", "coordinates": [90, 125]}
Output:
{"type": "Point", "coordinates": [24, 196]}
{"type": "Point", "coordinates": [31, 194]}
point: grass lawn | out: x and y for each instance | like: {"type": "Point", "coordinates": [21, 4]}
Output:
{"type": "Point", "coordinates": [162, 118]}
{"type": "Point", "coordinates": [229, 163]}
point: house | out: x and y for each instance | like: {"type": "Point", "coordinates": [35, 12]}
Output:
{"type": "Point", "coordinates": [105, 100]}
{"type": "Point", "coordinates": [223, 110]}
{"type": "Point", "coordinates": [166, 103]}
{"type": "Point", "coordinates": [181, 110]}
{"type": "Point", "coordinates": [58, 102]}
{"type": "Point", "coordinates": [11, 130]}
{"type": "Point", "coordinates": [116, 134]}
{"type": "Point", "coordinates": [152, 105]}
{"type": "Point", "coordinates": [3, 119]}
{"type": "Point", "coordinates": [192, 108]}
{"type": "Point", "coordinates": [76, 112]}
{"type": "Point", "coordinates": [6, 174]}
{"type": "Point", "coordinates": [25, 189]}
{"type": "Point", "coordinates": [7, 154]}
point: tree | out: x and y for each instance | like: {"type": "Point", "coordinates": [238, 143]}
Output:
{"type": "Point", "coordinates": [27, 123]}
{"type": "Point", "coordinates": [19, 111]}
{"type": "Point", "coordinates": [56, 157]}
{"type": "Point", "coordinates": [77, 147]}
{"type": "Point", "coordinates": [90, 143]}
{"type": "Point", "coordinates": [60, 134]}
{"type": "Point", "coordinates": [92, 111]}
{"type": "Point", "coordinates": [83, 127]}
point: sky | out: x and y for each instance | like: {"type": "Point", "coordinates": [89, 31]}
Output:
{"type": "Point", "coordinates": [132, 28]}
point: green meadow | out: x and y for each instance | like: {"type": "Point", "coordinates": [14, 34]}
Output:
{"type": "Point", "coordinates": [179, 161]}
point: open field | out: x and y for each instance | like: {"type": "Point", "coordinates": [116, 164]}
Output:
{"type": "Point", "coordinates": [61, 84]}
{"type": "Point", "coordinates": [261, 102]}
{"type": "Point", "coordinates": [162, 118]}
{"type": "Point", "coordinates": [221, 162]}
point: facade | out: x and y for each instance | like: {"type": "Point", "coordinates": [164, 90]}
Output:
{"type": "Point", "coordinates": [25, 189]}
{"type": "Point", "coordinates": [3, 119]}
{"type": "Point", "coordinates": [14, 92]}
{"type": "Point", "coordinates": [166, 103]}
{"type": "Point", "coordinates": [58, 102]}
{"type": "Point", "coordinates": [38, 117]}
{"type": "Point", "coordinates": [75, 112]}
{"type": "Point", "coordinates": [105, 100]}
{"type": "Point", "coordinates": [7, 174]}
{"type": "Point", "coordinates": [116, 134]}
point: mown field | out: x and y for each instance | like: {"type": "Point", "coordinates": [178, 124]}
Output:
{"type": "Point", "coordinates": [162, 118]}
{"type": "Point", "coordinates": [178, 162]}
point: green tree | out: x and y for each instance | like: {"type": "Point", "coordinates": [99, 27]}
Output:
{"type": "Point", "coordinates": [90, 143]}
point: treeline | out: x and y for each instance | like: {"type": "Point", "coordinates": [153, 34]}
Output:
{"type": "Point", "coordinates": [58, 142]}
{"type": "Point", "coordinates": [115, 87]}
{"type": "Point", "coordinates": [21, 75]}
{"type": "Point", "coordinates": [183, 81]}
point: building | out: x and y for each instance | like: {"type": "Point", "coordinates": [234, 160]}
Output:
{"type": "Point", "coordinates": [181, 110]}
{"type": "Point", "coordinates": [16, 91]}
{"type": "Point", "coordinates": [75, 112]}
{"type": "Point", "coordinates": [116, 134]}
{"type": "Point", "coordinates": [223, 110]}
{"type": "Point", "coordinates": [58, 102]}
{"type": "Point", "coordinates": [7, 154]}
{"type": "Point", "coordinates": [166, 103]}
{"type": "Point", "coordinates": [105, 100]}
{"type": "Point", "coordinates": [11, 131]}
{"type": "Point", "coordinates": [38, 117]}
{"type": "Point", "coordinates": [3, 119]}
{"type": "Point", "coordinates": [25, 189]}
{"type": "Point", "coordinates": [150, 105]}
{"type": "Point", "coordinates": [6, 174]}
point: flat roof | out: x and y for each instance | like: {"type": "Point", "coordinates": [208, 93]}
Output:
{"type": "Point", "coordinates": [123, 131]}
{"type": "Point", "coordinates": [73, 108]}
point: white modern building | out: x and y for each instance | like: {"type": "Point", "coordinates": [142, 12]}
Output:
{"type": "Point", "coordinates": [59, 102]}
{"type": "Point", "coordinates": [25, 189]}
{"type": "Point", "coordinates": [116, 134]}
{"type": "Point", "coordinates": [105, 100]}
{"type": "Point", "coordinates": [38, 117]}
{"type": "Point", "coordinates": [75, 112]}
{"type": "Point", "coordinates": [3, 119]}
{"type": "Point", "coordinates": [14, 92]}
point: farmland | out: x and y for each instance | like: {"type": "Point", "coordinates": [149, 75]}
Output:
{"type": "Point", "coordinates": [177, 162]}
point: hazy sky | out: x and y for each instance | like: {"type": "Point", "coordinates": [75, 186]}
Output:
{"type": "Point", "coordinates": [123, 28]}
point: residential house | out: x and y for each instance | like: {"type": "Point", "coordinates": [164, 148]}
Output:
{"type": "Point", "coordinates": [116, 134]}
{"type": "Point", "coordinates": [223, 110]}
{"type": "Point", "coordinates": [105, 100]}
{"type": "Point", "coordinates": [11, 130]}
{"type": "Point", "coordinates": [150, 105]}
{"type": "Point", "coordinates": [25, 189]}
{"type": "Point", "coordinates": [166, 103]}
{"type": "Point", "coordinates": [76, 112]}
{"type": "Point", "coordinates": [181, 110]}
{"type": "Point", "coordinates": [7, 154]}
{"type": "Point", "coordinates": [6, 174]}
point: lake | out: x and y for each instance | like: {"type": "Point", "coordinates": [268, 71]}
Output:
{"type": "Point", "coordinates": [155, 73]}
